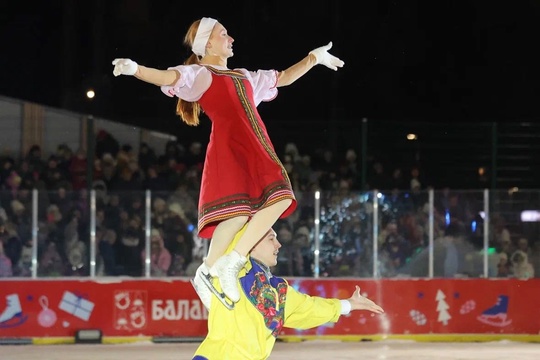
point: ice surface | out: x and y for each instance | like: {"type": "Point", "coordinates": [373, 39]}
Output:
{"type": "Point", "coordinates": [312, 350]}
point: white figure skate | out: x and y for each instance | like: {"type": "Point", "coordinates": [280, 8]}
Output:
{"type": "Point", "coordinates": [12, 314]}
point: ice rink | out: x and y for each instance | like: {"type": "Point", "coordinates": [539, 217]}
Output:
{"type": "Point", "coordinates": [312, 350]}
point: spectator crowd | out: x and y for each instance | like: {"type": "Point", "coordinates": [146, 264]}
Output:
{"type": "Point", "coordinates": [121, 177]}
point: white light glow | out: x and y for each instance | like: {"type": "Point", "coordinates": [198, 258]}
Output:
{"type": "Point", "coordinates": [530, 216]}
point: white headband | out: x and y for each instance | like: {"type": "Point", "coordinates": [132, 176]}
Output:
{"type": "Point", "coordinates": [203, 34]}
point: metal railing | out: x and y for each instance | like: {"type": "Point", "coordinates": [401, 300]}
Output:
{"type": "Point", "coordinates": [371, 234]}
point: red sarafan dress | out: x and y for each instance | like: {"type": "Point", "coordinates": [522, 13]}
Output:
{"type": "Point", "coordinates": [242, 172]}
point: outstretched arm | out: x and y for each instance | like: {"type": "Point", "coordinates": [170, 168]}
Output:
{"type": "Point", "coordinates": [359, 302]}
{"type": "Point", "coordinates": [315, 57]}
{"type": "Point", "coordinates": [303, 311]}
{"type": "Point", "coordinates": [147, 74]}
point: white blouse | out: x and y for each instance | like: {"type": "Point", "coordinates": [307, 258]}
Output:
{"type": "Point", "coordinates": [196, 79]}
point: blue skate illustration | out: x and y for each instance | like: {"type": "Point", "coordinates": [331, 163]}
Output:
{"type": "Point", "coordinates": [12, 314]}
{"type": "Point", "coordinates": [497, 314]}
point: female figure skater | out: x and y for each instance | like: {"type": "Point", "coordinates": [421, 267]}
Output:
{"type": "Point", "coordinates": [243, 179]}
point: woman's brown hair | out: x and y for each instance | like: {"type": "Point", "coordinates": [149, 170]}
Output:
{"type": "Point", "coordinates": [189, 111]}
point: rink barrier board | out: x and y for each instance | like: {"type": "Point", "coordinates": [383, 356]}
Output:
{"type": "Point", "coordinates": [296, 339]}
{"type": "Point", "coordinates": [133, 310]}
{"type": "Point", "coordinates": [418, 338]}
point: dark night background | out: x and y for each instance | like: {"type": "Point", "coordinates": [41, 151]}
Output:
{"type": "Point", "coordinates": [405, 61]}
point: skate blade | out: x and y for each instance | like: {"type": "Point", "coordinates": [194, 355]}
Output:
{"type": "Point", "coordinates": [16, 320]}
{"type": "Point", "coordinates": [207, 279]}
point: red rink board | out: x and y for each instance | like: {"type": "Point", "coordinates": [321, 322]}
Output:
{"type": "Point", "coordinates": [44, 308]}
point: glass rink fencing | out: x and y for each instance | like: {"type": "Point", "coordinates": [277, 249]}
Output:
{"type": "Point", "coordinates": [376, 234]}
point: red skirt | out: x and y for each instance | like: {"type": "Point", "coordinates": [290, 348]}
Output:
{"type": "Point", "coordinates": [242, 172]}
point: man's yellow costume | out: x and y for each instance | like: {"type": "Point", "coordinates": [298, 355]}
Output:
{"type": "Point", "coordinates": [267, 304]}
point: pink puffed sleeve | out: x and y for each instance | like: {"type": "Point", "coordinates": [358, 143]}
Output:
{"type": "Point", "coordinates": [264, 84]}
{"type": "Point", "coordinates": [193, 82]}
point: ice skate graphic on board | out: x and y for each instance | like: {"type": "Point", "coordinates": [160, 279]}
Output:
{"type": "Point", "coordinates": [497, 314]}
{"type": "Point", "coordinates": [12, 314]}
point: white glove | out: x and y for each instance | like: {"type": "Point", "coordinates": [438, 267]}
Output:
{"type": "Point", "coordinates": [124, 67]}
{"type": "Point", "coordinates": [325, 58]}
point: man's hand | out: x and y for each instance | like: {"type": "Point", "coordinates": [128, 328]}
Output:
{"type": "Point", "coordinates": [124, 67]}
{"type": "Point", "coordinates": [325, 58]}
{"type": "Point", "coordinates": [359, 302]}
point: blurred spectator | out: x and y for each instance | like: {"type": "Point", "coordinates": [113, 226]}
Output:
{"type": "Point", "coordinates": [160, 212]}
{"type": "Point", "coordinates": [52, 175]}
{"type": "Point", "coordinates": [135, 207]}
{"type": "Point", "coordinates": [292, 151]}
{"type": "Point", "coordinates": [535, 257]}
{"type": "Point", "coordinates": [7, 167]}
{"type": "Point", "coordinates": [193, 180]}
{"type": "Point", "coordinates": [503, 267]}
{"type": "Point", "coordinates": [397, 181]}
{"type": "Point", "coordinates": [108, 253]}
{"type": "Point", "coordinates": [411, 230]}
{"type": "Point", "coordinates": [174, 172]}
{"type": "Point", "coordinates": [124, 157]}
{"type": "Point", "coordinates": [77, 170]}
{"type": "Point", "coordinates": [130, 247]}
{"type": "Point", "coordinates": [306, 175]}
{"type": "Point", "coordinates": [113, 211]}
{"type": "Point", "coordinates": [507, 247]}
{"type": "Point", "coordinates": [154, 181]}
{"type": "Point", "coordinates": [174, 150]}
{"type": "Point", "coordinates": [285, 236]}
{"type": "Point", "coordinates": [521, 267]}
{"type": "Point", "coordinates": [378, 178]}
{"type": "Point", "coordinates": [102, 198]}
{"type": "Point", "coordinates": [455, 255]}
{"type": "Point", "coordinates": [9, 177]}
{"type": "Point", "coordinates": [177, 215]}
{"type": "Point", "coordinates": [24, 266]}
{"type": "Point", "coordinates": [5, 263]}
{"type": "Point", "coordinates": [55, 226]}
{"type": "Point", "coordinates": [28, 177]}
{"type": "Point", "coordinates": [182, 252]}
{"type": "Point", "coordinates": [64, 154]}
{"type": "Point", "coordinates": [50, 262]}
{"type": "Point", "coordinates": [416, 180]}
{"type": "Point", "coordinates": [35, 160]}
{"type": "Point", "coordinates": [499, 231]}
{"type": "Point", "coordinates": [523, 245]}
{"type": "Point", "coordinates": [160, 257]}
{"type": "Point", "coordinates": [147, 157]}
{"type": "Point", "coordinates": [62, 199]}
{"type": "Point", "coordinates": [195, 156]}
{"type": "Point", "coordinates": [75, 249]}
{"type": "Point", "coordinates": [351, 168]}
{"type": "Point", "coordinates": [391, 228]}
{"type": "Point", "coordinates": [191, 268]}
{"type": "Point", "coordinates": [128, 180]}
{"type": "Point", "coordinates": [294, 243]}
{"type": "Point", "coordinates": [300, 243]}
{"type": "Point", "coordinates": [98, 169]}
{"type": "Point", "coordinates": [394, 255]}
{"type": "Point", "coordinates": [106, 143]}
{"type": "Point", "coordinates": [326, 167]}
{"type": "Point", "coordinates": [108, 170]}
{"type": "Point", "coordinates": [11, 243]}
{"type": "Point", "coordinates": [182, 195]}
